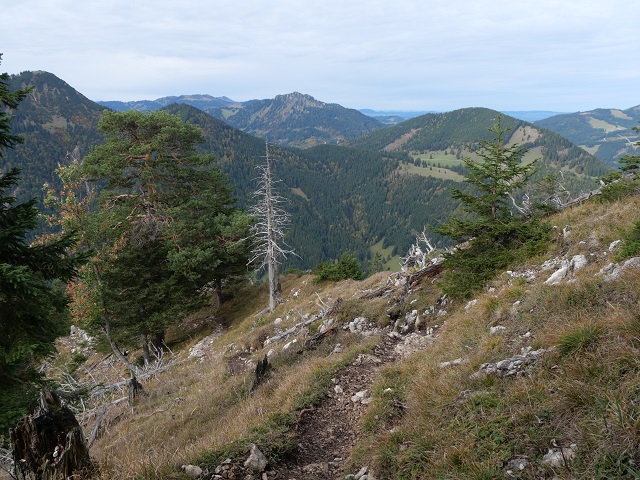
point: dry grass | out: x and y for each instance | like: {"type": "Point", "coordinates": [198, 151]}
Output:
{"type": "Point", "coordinates": [198, 411]}
{"type": "Point", "coordinates": [585, 391]}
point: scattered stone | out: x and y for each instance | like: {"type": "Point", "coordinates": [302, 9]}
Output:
{"type": "Point", "coordinates": [287, 345]}
{"type": "Point", "coordinates": [613, 271]}
{"type": "Point", "coordinates": [408, 323]}
{"type": "Point", "coordinates": [613, 245]}
{"type": "Point", "coordinates": [467, 394]}
{"type": "Point", "coordinates": [277, 321]}
{"type": "Point", "coordinates": [338, 389]}
{"type": "Point", "coordinates": [517, 465]}
{"type": "Point", "coordinates": [362, 397]}
{"type": "Point", "coordinates": [559, 457]}
{"type": "Point", "coordinates": [414, 342]}
{"type": "Point", "coordinates": [361, 473]}
{"type": "Point", "coordinates": [326, 325]}
{"type": "Point", "coordinates": [497, 329]}
{"type": "Point", "coordinates": [358, 325]}
{"type": "Point", "coordinates": [518, 365]}
{"type": "Point", "coordinates": [256, 460]}
{"type": "Point", "coordinates": [441, 313]}
{"type": "Point", "coordinates": [337, 348]}
{"type": "Point", "coordinates": [471, 303]}
{"type": "Point", "coordinates": [457, 361]}
{"type": "Point", "coordinates": [192, 470]}
{"type": "Point", "coordinates": [566, 271]}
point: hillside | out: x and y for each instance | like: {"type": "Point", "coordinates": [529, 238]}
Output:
{"type": "Point", "coordinates": [54, 120]}
{"type": "Point", "coordinates": [438, 142]}
{"type": "Point", "coordinates": [605, 133]}
{"type": "Point", "coordinates": [297, 120]}
{"type": "Point", "coordinates": [198, 101]}
{"type": "Point", "coordinates": [358, 200]}
{"type": "Point", "coordinates": [340, 200]}
{"type": "Point", "coordinates": [537, 377]}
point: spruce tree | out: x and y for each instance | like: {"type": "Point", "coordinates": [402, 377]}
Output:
{"type": "Point", "coordinates": [32, 278]}
{"type": "Point", "coordinates": [495, 231]}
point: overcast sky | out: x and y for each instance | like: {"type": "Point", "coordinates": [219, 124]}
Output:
{"type": "Point", "coordinates": [560, 55]}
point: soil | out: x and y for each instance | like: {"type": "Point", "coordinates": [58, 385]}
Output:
{"type": "Point", "coordinates": [328, 432]}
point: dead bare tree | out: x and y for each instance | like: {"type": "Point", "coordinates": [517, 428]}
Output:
{"type": "Point", "coordinates": [269, 230]}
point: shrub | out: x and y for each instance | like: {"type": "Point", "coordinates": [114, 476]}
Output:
{"type": "Point", "coordinates": [343, 269]}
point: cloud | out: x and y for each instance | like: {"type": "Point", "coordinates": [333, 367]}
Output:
{"type": "Point", "coordinates": [543, 54]}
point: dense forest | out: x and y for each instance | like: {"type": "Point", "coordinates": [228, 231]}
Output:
{"type": "Point", "coordinates": [341, 199]}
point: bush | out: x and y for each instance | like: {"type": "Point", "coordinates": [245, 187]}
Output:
{"type": "Point", "coordinates": [343, 269]}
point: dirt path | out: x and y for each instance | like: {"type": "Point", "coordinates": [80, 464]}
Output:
{"type": "Point", "coordinates": [329, 431]}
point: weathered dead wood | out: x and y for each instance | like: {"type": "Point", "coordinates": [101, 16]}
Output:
{"type": "Point", "coordinates": [96, 427]}
{"type": "Point", "coordinates": [262, 370]}
{"type": "Point", "coordinates": [135, 390]}
{"type": "Point", "coordinates": [49, 444]}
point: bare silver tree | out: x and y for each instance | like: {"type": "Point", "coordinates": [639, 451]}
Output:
{"type": "Point", "coordinates": [269, 230]}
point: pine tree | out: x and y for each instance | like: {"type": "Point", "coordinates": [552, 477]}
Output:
{"type": "Point", "coordinates": [164, 225]}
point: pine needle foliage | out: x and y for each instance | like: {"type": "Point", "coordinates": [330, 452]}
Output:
{"type": "Point", "coordinates": [497, 234]}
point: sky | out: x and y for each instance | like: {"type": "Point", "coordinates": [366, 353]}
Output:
{"type": "Point", "coordinates": [558, 55]}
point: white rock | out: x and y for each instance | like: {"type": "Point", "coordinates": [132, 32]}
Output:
{"type": "Point", "coordinates": [278, 321]}
{"type": "Point", "coordinates": [614, 244]}
{"type": "Point", "coordinates": [470, 304]}
{"type": "Point", "coordinates": [256, 460]}
{"type": "Point", "coordinates": [557, 276]}
{"type": "Point", "coordinates": [457, 361]}
{"type": "Point", "coordinates": [192, 470]}
{"type": "Point", "coordinates": [363, 471]}
{"type": "Point", "coordinates": [338, 389]}
{"type": "Point", "coordinates": [287, 345]}
{"type": "Point", "coordinates": [556, 458]}
{"type": "Point", "coordinates": [578, 262]}
{"type": "Point", "coordinates": [497, 329]}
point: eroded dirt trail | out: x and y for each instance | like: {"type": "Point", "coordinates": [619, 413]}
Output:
{"type": "Point", "coordinates": [329, 431]}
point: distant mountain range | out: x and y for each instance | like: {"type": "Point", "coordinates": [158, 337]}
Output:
{"type": "Point", "coordinates": [372, 192]}
{"type": "Point", "coordinates": [605, 133]}
{"type": "Point", "coordinates": [199, 101]}
{"type": "Point", "coordinates": [393, 117]}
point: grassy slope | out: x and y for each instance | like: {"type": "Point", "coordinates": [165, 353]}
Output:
{"type": "Point", "coordinates": [584, 392]}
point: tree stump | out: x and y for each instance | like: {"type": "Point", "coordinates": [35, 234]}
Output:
{"type": "Point", "coordinates": [262, 369]}
{"type": "Point", "coordinates": [49, 444]}
{"type": "Point", "coordinates": [135, 389]}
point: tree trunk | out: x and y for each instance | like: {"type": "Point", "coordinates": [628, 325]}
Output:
{"type": "Point", "coordinates": [49, 444]}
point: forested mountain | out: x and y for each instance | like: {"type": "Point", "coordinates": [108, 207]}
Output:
{"type": "Point", "coordinates": [296, 120]}
{"type": "Point", "coordinates": [54, 120]}
{"type": "Point", "coordinates": [437, 143]}
{"type": "Point", "coordinates": [341, 199]}
{"type": "Point", "coordinates": [202, 102]}
{"type": "Point", "coordinates": [605, 133]}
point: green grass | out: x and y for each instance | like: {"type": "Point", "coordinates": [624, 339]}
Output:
{"type": "Point", "coordinates": [433, 172]}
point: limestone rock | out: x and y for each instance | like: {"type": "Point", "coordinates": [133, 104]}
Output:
{"type": "Point", "coordinates": [256, 460]}
{"type": "Point", "coordinates": [192, 470]}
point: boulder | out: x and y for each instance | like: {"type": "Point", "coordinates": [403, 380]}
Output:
{"type": "Point", "coordinates": [256, 460]}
